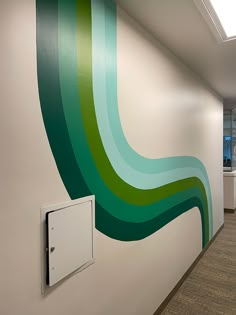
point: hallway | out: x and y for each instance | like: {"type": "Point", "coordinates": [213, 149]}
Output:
{"type": "Point", "coordinates": [211, 287]}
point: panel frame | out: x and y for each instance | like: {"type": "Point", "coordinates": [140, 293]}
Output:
{"type": "Point", "coordinates": [45, 288]}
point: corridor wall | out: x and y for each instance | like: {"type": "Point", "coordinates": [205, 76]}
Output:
{"type": "Point", "coordinates": [93, 104]}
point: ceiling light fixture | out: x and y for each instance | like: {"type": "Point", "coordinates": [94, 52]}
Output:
{"type": "Point", "coordinates": [220, 16]}
{"type": "Point", "coordinates": [225, 10]}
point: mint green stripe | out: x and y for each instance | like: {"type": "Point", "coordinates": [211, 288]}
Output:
{"type": "Point", "coordinates": [132, 176]}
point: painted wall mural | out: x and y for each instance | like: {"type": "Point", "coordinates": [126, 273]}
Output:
{"type": "Point", "coordinates": [77, 79]}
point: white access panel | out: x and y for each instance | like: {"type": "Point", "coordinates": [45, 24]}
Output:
{"type": "Point", "coordinates": [69, 240]}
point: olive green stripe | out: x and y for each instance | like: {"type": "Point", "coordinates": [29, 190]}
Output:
{"type": "Point", "coordinates": [71, 102]}
{"type": "Point", "coordinates": [88, 113]}
{"type": "Point", "coordinates": [72, 113]}
{"type": "Point", "coordinates": [103, 165]}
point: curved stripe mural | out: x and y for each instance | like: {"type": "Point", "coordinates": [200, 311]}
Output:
{"type": "Point", "coordinates": [77, 79]}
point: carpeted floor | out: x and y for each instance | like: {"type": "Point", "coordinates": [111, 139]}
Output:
{"type": "Point", "coordinates": [211, 287]}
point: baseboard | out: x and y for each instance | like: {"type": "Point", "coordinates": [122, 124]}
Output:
{"type": "Point", "coordinates": [185, 276]}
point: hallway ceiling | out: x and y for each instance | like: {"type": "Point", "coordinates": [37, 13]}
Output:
{"type": "Point", "coordinates": [180, 26]}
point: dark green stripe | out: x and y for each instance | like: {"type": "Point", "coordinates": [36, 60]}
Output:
{"type": "Point", "coordinates": [50, 98]}
{"type": "Point", "coordinates": [137, 231]}
{"type": "Point", "coordinates": [123, 190]}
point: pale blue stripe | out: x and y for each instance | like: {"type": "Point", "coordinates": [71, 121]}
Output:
{"type": "Point", "coordinates": [133, 168]}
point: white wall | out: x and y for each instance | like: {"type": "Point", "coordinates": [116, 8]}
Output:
{"type": "Point", "coordinates": [127, 278]}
